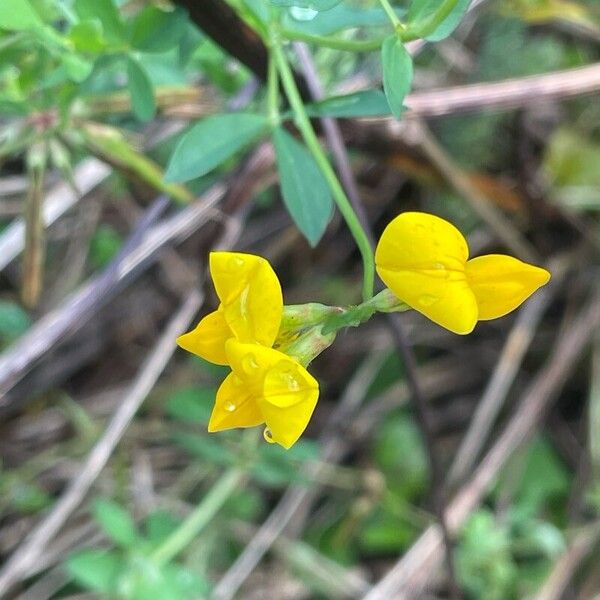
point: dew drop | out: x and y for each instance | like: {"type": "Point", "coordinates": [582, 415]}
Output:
{"type": "Point", "coordinates": [290, 381]}
{"type": "Point", "coordinates": [427, 300]}
{"type": "Point", "coordinates": [237, 381]}
{"type": "Point", "coordinates": [249, 364]}
{"type": "Point", "coordinates": [268, 435]}
{"type": "Point", "coordinates": [303, 14]}
{"type": "Point", "coordinates": [235, 263]}
{"type": "Point", "coordinates": [439, 266]}
{"type": "Point", "coordinates": [230, 406]}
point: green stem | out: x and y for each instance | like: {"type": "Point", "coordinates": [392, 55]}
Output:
{"type": "Point", "coordinates": [398, 26]}
{"type": "Point", "coordinates": [273, 93]}
{"type": "Point", "coordinates": [310, 138]}
{"type": "Point", "coordinates": [335, 43]}
{"type": "Point", "coordinates": [428, 26]}
{"type": "Point", "coordinates": [199, 518]}
{"type": "Point", "coordinates": [353, 316]}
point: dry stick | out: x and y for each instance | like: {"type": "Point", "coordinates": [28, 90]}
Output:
{"type": "Point", "coordinates": [88, 174]}
{"type": "Point", "coordinates": [27, 554]}
{"type": "Point", "coordinates": [565, 567]}
{"type": "Point", "coordinates": [338, 149]}
{"type": "Point", "coordinates": [412, 573]}
{"type": "Point", "coordinates": [482, 206]}
{"type": "Point", "coordinates": [35, 243]}
{"type": "Point", "coordinates": [502, 95]}
{"type": "Point", "coordinates": [293, 498]}
{"type": "Point", "coordinates": [513, 353]}
{"type": "Point", "coordinates": [19, 358]}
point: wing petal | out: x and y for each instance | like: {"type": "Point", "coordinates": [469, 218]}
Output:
{"type": "Point", "coordinates": [208, 338]}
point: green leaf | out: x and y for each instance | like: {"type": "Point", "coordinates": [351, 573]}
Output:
{"type": "Point", "coordinates": [207, 448]}
{"type": "Point", "coordinates": [146, 581]}
{"type": "Point", "coordinates": [159, 525]}
{"type": "Point", "coordinates": [212, 141]}
{"type": "Point", "coordinates": [18, 15]}
{"type": "Point", "coordinates": [141, 91]}
{"type": "Point", "coordinates": [305, 192]}
{"type": "Point", "coordinates": [317, 5]}
{"type": "Point", "coordinates": [95, 569]}
{"type": "Point", "coordinates": [398, 451]}
{"type": "Point", "coordinates": [397, 73]}
{"type": "Point", "coordinates": [192, 405]}
{"type": "Point", "coordinates": [104, 245]}
{"type": "Point", "coordinates": [77, 68]}
{"type": "Point", "coordinates": [154, 30]}
{"type": "Point", "coordinates": [115, 521]}
{"type": "Point", "coordinates": [339, 18]}
{"type": "Point", "coordinates": [14, 321]}
{"type": "Point", "coordinates": [86, 36]}
{"type": "Point", "coordinates": [107, 13]}
{"type": "Point", "coordinates": [367, 103]}
{"type": "Point", "coordinates": [421, 19]}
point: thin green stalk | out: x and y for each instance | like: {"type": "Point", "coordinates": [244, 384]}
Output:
{"type": "Point", "coordinates": [310, 138]}
{"type": "Point", "coordinates": [398, 26]}
{"type": "Point", "coordinates": [273, 93]}
{"type": "Point", "coordinates": [335, 43]}
{"type": "Point", "coordinates": [353, 316]}
{"type": "Point", "coordinates": [199, 518]}
{"type": "Point", "coordinates": [432, 23]}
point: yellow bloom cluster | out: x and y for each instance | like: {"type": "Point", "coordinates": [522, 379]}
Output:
{"type": "Point", "coordinates": [265, 385]}
{"type": "Point", "coordinates": [424, 261]}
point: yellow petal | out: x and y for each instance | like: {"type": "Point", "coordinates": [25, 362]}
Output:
{"type": "Point", "coordinates": [250, 362]}
{"type": "Point", "coordinates": [501, 283]}
{"type": "Point", "coordinates": [208, 339]}
{"type": "Point", "coordinates": [234, 406]}
{"type": "Point", "coordinates": [250, 294]}
{"type": "Point", "coordinates": [290, 394]}
{"type": "Point", "coordinates": [422, 258]}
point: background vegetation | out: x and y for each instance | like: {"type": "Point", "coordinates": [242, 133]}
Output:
{"type": "Point", "coordinates": [109, 484]}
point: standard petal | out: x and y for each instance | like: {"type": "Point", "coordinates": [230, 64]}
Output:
{"type": "Point", "coordinates": [208, 339]}
{"type": "Point", "coordinates": [235, 406]}
{"type": "Point", "coordinates": [422, 258]}
{"type": "Point", "coordinates": [501, 283]}
{"type": "Point", "coordinates": [250, 294]}
{"type": "Point", "coordinates": [416, 241]}
{"type": "Point", "coordinates": [290, 394]}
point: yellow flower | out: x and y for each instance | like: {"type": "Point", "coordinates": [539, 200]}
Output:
{"type": "Point", "coordinates": [250, 311]}
{"type": "Point", "coordinates": [265, 386]}
{"type": "Point", "coordinates": [424, 260]}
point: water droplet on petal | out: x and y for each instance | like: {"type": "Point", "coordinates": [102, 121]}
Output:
{"type": "Point", "coordinates": [249, 364]}
{"type": "Point", "coordinates": [290, 381]}
{"type": "Point", "coordinates": [268, 435]}
{"type": "Point", "coordinates": [439, 265]}
{"type": "Point", "coordinates": [230, 406]}
{"type": "Point", "coordinates": [237, 381]}
{"type": "Point", "coordinates": [427, 300]}
{"type": "Point", "coordinates": [235, 263]}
